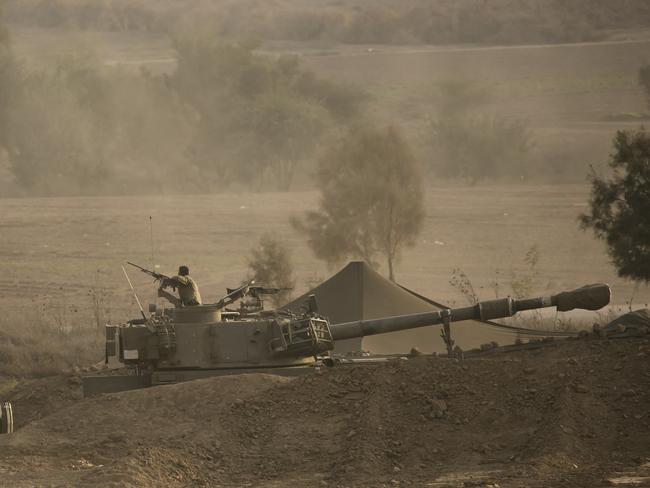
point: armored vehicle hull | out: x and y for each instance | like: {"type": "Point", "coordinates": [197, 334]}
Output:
{"type": "Point", "coordinates": [194, 342]}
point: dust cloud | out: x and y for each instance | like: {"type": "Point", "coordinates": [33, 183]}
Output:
{"type": "Point", "coordinates": [133, 97]}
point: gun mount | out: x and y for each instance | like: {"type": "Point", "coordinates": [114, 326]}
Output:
{"type": "Point", "coordinates": [174, 345]}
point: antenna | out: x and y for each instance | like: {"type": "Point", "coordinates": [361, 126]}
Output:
{"type": "Point", "coordinates": [153, 261]}
{"type": "Point", "coordinates": [144, 316]}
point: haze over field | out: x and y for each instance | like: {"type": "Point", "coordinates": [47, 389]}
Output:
{"type": "Point", "coordinates": [504, 109]}
{"type": "Point", "coordinates": [202, 96]}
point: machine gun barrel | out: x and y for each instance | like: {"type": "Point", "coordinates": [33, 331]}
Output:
{"type": "Point", "coordinates": [153, 274]}
{"type": "Point", "coordinates": [590, 297]}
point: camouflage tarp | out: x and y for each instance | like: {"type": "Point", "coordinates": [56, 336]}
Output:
{"type": "Point", "coordinates": [357, 292]}
{"type": "Point", "coordinates": [635, 323]}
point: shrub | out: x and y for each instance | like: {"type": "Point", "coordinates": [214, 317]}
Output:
{"type": "Point", "coordinates": [619, 205]}
{"type": "Point", "coordinates": [271, 267]}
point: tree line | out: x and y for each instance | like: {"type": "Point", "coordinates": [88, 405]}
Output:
{"type": "Point", "coordinates": [225, 117]}
{"type": "Point", "coordinates": [352, 22]}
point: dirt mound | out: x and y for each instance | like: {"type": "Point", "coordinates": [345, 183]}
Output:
{"type": "Point", "coordinates": [568, 414]}
{"type": "Point", "coordinates": [567, 411]}
{"type": "Point", "coordinates": [151, 437]}
{"type": "Point", "coordinates": [37, 398]}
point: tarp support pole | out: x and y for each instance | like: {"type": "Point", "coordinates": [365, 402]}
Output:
{"type": "Point", "coordinates": [446, 332]}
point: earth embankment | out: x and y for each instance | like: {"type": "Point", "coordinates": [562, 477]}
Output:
{"type": "Point", "coordinates": [571, 413]}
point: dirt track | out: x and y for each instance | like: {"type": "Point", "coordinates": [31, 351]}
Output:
{"type": "Point", "coordinates": [574, 413]}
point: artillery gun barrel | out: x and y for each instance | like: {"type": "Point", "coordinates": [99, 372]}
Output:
{"type": "Point", "coordinates": [590, 297]}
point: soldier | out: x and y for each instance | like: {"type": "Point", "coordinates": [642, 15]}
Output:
{"type": "Point", "coordinates": [188, 291]}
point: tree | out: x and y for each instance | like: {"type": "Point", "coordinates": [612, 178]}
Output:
{"type": "Point", "coordinates": [270, 266]}
{"type": "Point", "coordinates": [620, 205]}
{"type": "Point", "coordinates": [257, 116]}
{"type": "Point", "coordinates": [371, 199]}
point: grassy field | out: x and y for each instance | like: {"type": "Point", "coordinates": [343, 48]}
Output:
{"type": "Point", "coordinates": [60, 251]}
{"type": "Point", "coordinates": [61, 258]}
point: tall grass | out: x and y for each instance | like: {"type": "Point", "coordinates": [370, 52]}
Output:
{"type": "Point", "coordinates": [45, 342]}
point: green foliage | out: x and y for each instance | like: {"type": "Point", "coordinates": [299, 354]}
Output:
{"type": "Point", "coordinates": [372, 199]}
{"type": "Point", "coordinates": [271, 266]}
{"type": "Point", "coordinates": [644, 80]}
{"type": "Point", "coordinates": [620, 205]}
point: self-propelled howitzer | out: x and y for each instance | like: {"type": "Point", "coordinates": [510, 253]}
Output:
{"type": "Point", "coordinates": [180, 344]}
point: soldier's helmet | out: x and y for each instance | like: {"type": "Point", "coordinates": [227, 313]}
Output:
{"type": "Point", "coordinates": [183, 271]}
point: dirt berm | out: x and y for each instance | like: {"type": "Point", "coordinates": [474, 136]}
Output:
{"type": "Point", "coordinates": [573, 413]}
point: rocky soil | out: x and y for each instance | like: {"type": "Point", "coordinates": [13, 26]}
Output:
{"type": "Point", "coordinates": [573, 413]}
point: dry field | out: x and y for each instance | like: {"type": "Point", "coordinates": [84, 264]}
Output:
{"type": "Point", "coordinates": [56, 250]}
